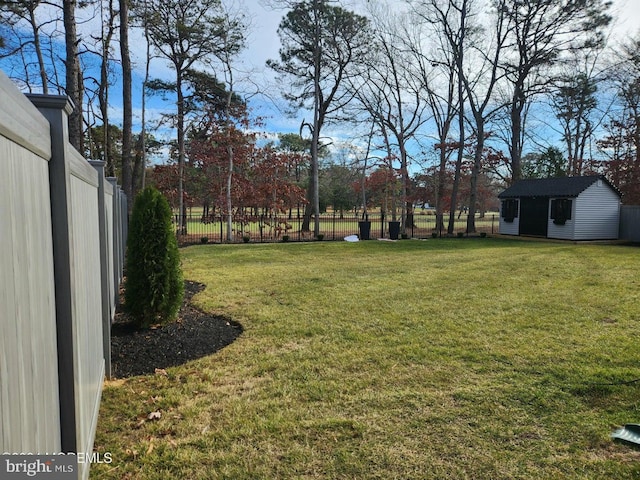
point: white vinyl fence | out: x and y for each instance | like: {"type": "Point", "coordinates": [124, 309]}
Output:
{"type": "Point", "coordinates": [62, 237]}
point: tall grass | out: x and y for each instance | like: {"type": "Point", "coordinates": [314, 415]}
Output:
{"type": "Point", "coordinates": [453, 358]}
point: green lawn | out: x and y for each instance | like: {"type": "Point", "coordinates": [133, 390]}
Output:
{"type": "Point", "coordinates": [437, 359]}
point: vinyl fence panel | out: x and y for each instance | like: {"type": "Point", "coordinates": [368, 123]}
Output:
{"type": "Point", "coordinates": [29, 400]}
{"type": "Point", "coordinates": [630, 223]}
{"type": "Point", "coordinates": [61, 262]}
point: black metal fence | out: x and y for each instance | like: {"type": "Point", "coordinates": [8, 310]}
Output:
{"type": "Point", "coordinates": [333, 226]}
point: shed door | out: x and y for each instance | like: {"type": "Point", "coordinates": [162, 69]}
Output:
{"type": "Point", "coordinates": [533, 216]}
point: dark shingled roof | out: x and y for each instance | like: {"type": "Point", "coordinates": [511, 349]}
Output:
{"type": "Point", "coordinates": [553, 187]}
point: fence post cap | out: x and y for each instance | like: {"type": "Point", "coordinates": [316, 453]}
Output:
{"type": "Point", "coordinates": [54, 102]}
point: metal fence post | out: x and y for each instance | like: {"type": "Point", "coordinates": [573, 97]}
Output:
{"type": "Point", "coordinates": [334, 224]}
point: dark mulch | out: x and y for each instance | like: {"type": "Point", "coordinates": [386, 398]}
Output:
{"type": "Point", "coordinates": [195, 334]}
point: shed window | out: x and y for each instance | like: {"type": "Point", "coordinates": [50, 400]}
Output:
{"type": "Point", "coordinates": [560, 210]}
{"type": "Point", "coordinates": [509, 209]}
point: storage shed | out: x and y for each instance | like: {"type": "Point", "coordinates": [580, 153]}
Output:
{"type": "Point", "coordinates": [568, 208]}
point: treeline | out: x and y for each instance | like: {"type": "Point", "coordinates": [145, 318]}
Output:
{"type": "Point", "coordinates": [445, 101]}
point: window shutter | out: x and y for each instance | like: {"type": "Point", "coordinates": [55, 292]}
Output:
{"type": "Point", "coordinates": [561, 210]}
{"type": "Point", "coordinates": [509, 209]}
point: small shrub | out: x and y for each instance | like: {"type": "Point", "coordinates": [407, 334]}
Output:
{"type": "Point", "coordinates": [285, 238]}
{"type": "Point", "coordinates": [154, 286]}
{"type": "Point", "coordinates": [320, 237]}
{"type": "Point", "coordinates": [246, 238]}
{"type": "Point", "coordinates": [204, 239]}
{"type": "Point", "coordinates": [404, 236]}
{"type": "Point", "coordinates": [434, 234]}
{"type": "Point", "coordinates": [483, 234]}
{"type": "Point", "coordinates": [460, 234]}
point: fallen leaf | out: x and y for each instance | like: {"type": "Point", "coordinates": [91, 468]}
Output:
{"type": "Point", "coordinates": [161, 371]}
{"type": "Point", "coordinates": [154, 415]}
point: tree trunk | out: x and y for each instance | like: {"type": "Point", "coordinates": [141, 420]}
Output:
{"type": "Point", "coordinates": [308, 208]}
{"type": "Point", "coordinates": [456, 177]}
{"type": "Point", "coordinates": [315, 179]}
{"type": "Point", "coordinates": [38, 48]}
{"type": "Point", "coordinates": [229, 184]}
{"type": "Point", "coordinates": [143, 133]}
{"type": "Point", "coordinates": [405, 181]}
{"type": "Point", "coordinates": [103, 101]}
{"type": "Point", "coordinates": [73, 76]}
{"type": "Point", "coordinates": [137, 170]}
{"type": "Point", "coordinates": [517, 106]}
{"type": "Point", "coordinates": [442, 173]}
{"type": "Point", "coordinates": [127, 115]}
{"type": "Point", "coordinates": [454, 190]}
{"type": "Point", "coordinates": [103, 94]}
{"type": "Point", "coordinates": [182, 227]}
{"type": "Point", "coordinates": [460, 73]}
{"type": "Point", "coordinates": [317, 120]}
{"type": "Point", "coordinates": [475, 173]}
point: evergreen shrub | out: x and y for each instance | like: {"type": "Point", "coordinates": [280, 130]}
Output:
{"type": "Point", "coordinates": [154, 285]}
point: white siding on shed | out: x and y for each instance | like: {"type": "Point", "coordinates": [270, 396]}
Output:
{"type": "Point", "coordinates": [595, 216]}
{"type": "Point", "coordinates": [562, 232]}
{"type": "Point", "coordinates": [509, 228]}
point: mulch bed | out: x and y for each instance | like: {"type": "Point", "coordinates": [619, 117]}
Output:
{"type": "Point", "coordinates": [193, 335]}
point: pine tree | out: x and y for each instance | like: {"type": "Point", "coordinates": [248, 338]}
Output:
{"type": "Point", "coordinates": [154, 286]}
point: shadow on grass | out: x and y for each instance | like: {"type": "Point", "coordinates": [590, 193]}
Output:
{"type": "Point", "coordinates": [195, 334]}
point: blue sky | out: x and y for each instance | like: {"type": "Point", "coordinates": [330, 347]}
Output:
{"type": "Point", "coordinates": [263, 44]}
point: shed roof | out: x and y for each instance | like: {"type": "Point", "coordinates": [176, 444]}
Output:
{"type": "Point", "coordinates": [553, 187]}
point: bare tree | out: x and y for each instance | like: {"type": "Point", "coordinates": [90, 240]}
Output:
{"type": "Point", "coordinates": [231, 39]}
{"type": "Point", "coordinates": [390, 89]}
{"type": "Point", "coordinates": [74, 85]}
{"type": "Point", "coordinates": [581, 103]}
{"type": "Point", "coordinates": [621, 144]}
{"type": "Point", "coordinates": [319, 44]}
{"type": "Point", "coordinates": [574, 103]}
{"type": "Point", "coordinates": [439, 64]}
{"type": "Point", "coordinates": [13, 12]}
{"type": "Point", "coordinates": [451, 22]}
{"type": "Point", "coordinates": [541, 32]}
{"type": "Point", "coordinates": [107, 32]}
{"type": "Point", "coordinates": [143, 133]}
{"type": "Point", "coordinates": [480, 91]}
{"type": "Point", "coordinates": [127, 104]}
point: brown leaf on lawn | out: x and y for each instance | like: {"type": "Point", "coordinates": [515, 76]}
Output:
{"type": "Point", "coordinates": [161, 371]}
